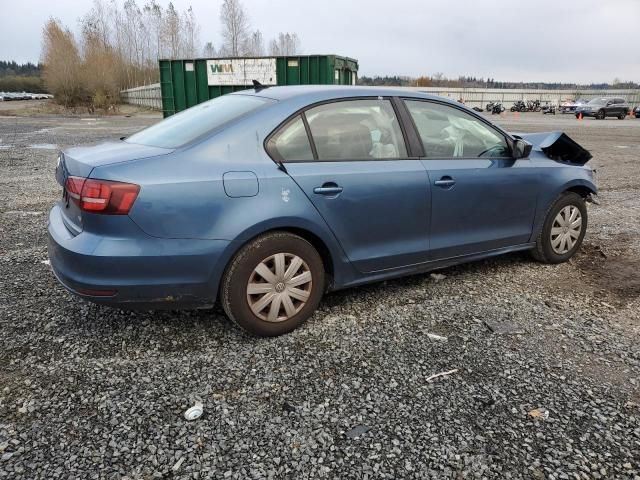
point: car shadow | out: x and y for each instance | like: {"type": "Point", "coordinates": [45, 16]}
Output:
{"type": "Point", "coordinates": [201, 329]}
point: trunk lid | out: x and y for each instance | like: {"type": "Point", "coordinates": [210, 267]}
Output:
{"type": "Point", "coordinates": [80, 162]}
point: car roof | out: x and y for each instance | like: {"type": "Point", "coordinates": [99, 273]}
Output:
{"type": "Point", "coordinates": [325, 92]}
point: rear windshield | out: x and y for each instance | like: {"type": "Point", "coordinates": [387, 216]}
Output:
{"type": "Point", "coordinates": [180, 129]}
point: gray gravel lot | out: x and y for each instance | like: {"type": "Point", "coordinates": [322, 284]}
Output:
{"type": "Point", "coordinates": [91, 392]}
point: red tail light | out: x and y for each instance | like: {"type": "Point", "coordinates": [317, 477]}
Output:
{"type": "Point", "coordinates": [102, 196]}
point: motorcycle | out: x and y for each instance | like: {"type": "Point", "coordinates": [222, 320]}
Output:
{"type": "Point", "coordinates": [497, 108]}
{"type": "Point", "coordinates": [533, 106]}
{"type": "Point", "coordinates": [519, 106]}
{"type": "Point", "coordinates": [548, 108]}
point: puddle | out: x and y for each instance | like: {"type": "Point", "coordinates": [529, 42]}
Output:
{"type": "Point", "coordinates": [5, 147]}
{"type": "Point", "coordinates": [44, 146]}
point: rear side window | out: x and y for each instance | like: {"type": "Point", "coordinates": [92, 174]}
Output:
{"type": "Point", "coordinates": [182, 128]}
{"type": "Point", "coordinates": [291, 142]}
{"type": "Point", "coordinates": [356, 130]}
{"type": "Point", "coordinates": [448, 132]}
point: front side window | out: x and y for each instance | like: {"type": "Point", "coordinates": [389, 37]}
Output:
{"type": "Point", "coordinates": [291, 142]}
{"type": "Point", "coordinates": [356, 130]}
{"type": "Point", "coordinates": [180, 129]}
{"type": "Point", "coordinates": [448, 132]}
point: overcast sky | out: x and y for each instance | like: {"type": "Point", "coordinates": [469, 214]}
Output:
{"type": "Point", "coordinates": [578, 41]}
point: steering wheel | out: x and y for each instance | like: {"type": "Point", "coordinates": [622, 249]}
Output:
{"type": "Point", "coordinates": [489, 149]}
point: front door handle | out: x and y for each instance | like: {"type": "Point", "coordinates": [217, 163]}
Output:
{"type": "Point", "coordinates": [328, 189]}
{"type": "Point", "coordinates": [445, 182]}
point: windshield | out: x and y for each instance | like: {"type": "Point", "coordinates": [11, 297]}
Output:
{"type": "Point", "coordinates": [598, 101]}
{"type": "Point", "coordinates": [180, 129]}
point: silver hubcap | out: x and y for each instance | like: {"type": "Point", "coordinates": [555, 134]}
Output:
{"type": "Point", "coordinates": [566, 229]}
{"type": "Point", "coordinates": [279, 287]}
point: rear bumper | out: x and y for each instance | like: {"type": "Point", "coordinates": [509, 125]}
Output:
{"type": "Point", "coordinates": [136, 272]}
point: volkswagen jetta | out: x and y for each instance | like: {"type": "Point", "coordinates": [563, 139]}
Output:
{"type": "Point", "coordinates": [265, 199]}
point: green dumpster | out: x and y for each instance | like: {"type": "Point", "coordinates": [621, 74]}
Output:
{"type": "Point", "coordinates": [185, 83]}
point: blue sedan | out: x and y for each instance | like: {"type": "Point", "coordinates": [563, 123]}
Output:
{"type": "Point", "coordinates": [265, 199]}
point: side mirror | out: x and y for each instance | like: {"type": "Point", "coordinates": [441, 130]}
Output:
{"type": "Point", "coordinates": [610, 102]}
{"type": "Point", "coordinates": [521, 149]}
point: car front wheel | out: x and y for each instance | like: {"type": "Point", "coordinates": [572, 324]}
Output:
{"type": "Point", "coordinates": [273, 284]}
{"type": "Point", "coordinates": [563, 231]}
{"type": "Point", "coordinates": [601, 115]}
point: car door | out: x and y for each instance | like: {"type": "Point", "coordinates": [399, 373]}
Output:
{"type": "Point", "coordinates": [350, 158]}
{"type": "Point", "coordinates": [481, 198]}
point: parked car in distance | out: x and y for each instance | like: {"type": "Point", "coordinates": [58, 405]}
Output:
{"type": "Point", "coordinates": [265, 199]}
{"type": "Point", "coordinates": [570, 106]}
{"type": "Point", "coordinates": [603, 107]}
{"type": "Point", "coordinates": [636, 111]}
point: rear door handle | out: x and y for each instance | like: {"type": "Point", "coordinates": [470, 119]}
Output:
{"type": "Point", "coordinates": [328, 189]}
{"type": "Point", "coordinates": [445, 182]}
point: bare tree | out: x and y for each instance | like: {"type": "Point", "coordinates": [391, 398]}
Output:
{"type": "Point", "coordinates": [100, 70]}
{"type": "Point", "coordinates": [172, 27]}
{"type": "Point", "coordinates": [62, 63]}
{"type": "Point", "coordinates": [191, 32]}
{"type": "Point", "coordinates": [209, 50]}
{"type": "Point", "coordinates": [121, 45]}
{"type": "Point", "coordinates": [153, 21]}
{"type": "Point", "coordinates": [254, 46]}
{"type": "Point", "coordinates": [235, 27]}
{"type": "Point", "coordinates": [285, 44]}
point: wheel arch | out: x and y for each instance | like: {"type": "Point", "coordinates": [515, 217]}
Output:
{"type": "Point", "coordinates": [581, 186]}
{"type": "Point", "coordinates": [584, 190]}
{"type": "Point", "coordinates": [330, 253]}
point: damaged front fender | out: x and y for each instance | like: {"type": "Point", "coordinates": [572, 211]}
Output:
{"type": "Point", "coordinates": [557, 146]}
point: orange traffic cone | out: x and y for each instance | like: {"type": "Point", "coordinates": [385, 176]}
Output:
{"type": "Point", "coordinates": [580, 116]}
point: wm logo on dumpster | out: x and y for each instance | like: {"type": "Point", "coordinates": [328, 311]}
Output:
{"type": "Point", "coordinates": [221, 68]}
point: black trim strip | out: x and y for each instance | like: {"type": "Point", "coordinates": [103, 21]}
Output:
{"type": "Point", "coordinates": [310, 139]}
{"type": "Point", "coordinates": [414, 143]}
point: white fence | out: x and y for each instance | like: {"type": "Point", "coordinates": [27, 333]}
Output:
{"type": "Point", "coordinates": [479, 97]}
{"type": "Point", "coordinates": [150, 96]}
{"type": "Point", "coordinates": [147, 96]}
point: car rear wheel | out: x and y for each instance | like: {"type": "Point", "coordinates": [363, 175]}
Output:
{"type": "Point", "coordinates": [622, 115]}
{"type": "Point", "coordinates": [563, 231]}
{"type": "Point", "coordinates": [273, 284]}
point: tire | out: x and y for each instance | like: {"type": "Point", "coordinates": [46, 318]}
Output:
{"type": "Point", "coordinates": [622, 115]}
{"type": "Point", "coordinates": [544, 250]}
{"type": "Point", "coordinates": [264, 252]}
{"type": "Point", "coordinates": [601, 115]}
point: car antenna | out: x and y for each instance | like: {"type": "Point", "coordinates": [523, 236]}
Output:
{"type": "Point", "coordinates": [257, 86]}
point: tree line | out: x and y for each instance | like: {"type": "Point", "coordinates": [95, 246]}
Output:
{"type": "Point", "coordinates": [19, 77]}
{"type": "Point", "coordinates": [440, 80]}
{"type": "Point", "coordinates": [118, 47]}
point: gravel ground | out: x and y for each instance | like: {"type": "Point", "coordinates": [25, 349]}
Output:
{"type": "Point", "coordinates": [544, 360]}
